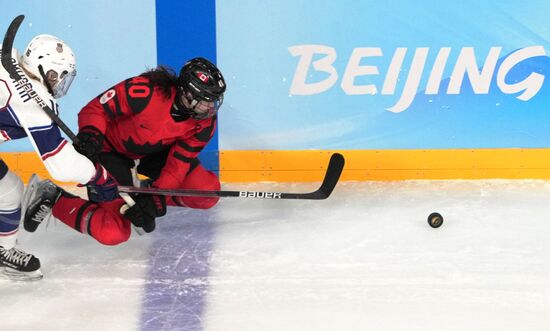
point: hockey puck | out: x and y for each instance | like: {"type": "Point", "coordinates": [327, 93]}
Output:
{"type": "Point", "coordinates": [435, 220]}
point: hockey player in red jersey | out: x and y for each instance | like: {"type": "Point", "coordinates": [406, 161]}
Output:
{"type": "Point", "coordinates": [47, 67]}
{"type": "Point", "coordinates": [157, 123]}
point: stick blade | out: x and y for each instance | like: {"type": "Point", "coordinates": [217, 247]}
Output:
{"type": "Point", "coordinates": [332, 176]}
{"type": "Point", "coordinates": [334, 170]}
{"type": "Point", "coordinates": [7, 43]}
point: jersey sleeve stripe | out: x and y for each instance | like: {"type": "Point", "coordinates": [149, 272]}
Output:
{"type": "Point", "coordinates": [189, 148]}
{"type": "Point", "coordinates": [11, 127]}
{"type": "Point", "coordinates": [55, 151]}
{"type": "Point", "coordinates": [181, 157]}
{"type": "Point", "coordinates": [117, 106]}
{"type": "Point", "coordinates": [48, 139]}
{"type": "Point", "coordinates": [5, 135]}
{"type": "Point", "coordinates": [108, 110]}
{"type": "Point", "coordinates": [14, 116]}
{"type": "Point", "coordinates": [41, 128]}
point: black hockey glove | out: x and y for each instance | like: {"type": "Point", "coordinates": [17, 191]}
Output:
{"type": "Point", "coordinates": [90, 142]}
{"type": "Point", "coordinates": [146, 209]}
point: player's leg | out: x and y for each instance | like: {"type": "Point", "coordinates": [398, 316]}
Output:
{"type": "Point", "coordinates": [11, 190]}
{"type": "Point", "coordinates": [101, 221]}
{"type": "Point", "coordinates": [14, 263]}
{"type": "Point", "coordinates": [198, 178]}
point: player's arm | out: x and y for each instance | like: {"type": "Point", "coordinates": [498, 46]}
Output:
{"type": "Point", "coordinates": [182, 157]}
{"type": "Point", "coordinates": [65, 164]}
{"type": "Point", "coordinates": [61, 160]}
{"type": "Point", "coordinates": [59, 157]}
{"type": "Point", "coordinates": [124, 99]}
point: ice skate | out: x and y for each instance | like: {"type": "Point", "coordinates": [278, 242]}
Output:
{"type": "Point", "coordinates": [31, 185]}
{"type": "Point", "coordinates": [18, 265]}
{"type": "Point", "coordinates": [38, 201]}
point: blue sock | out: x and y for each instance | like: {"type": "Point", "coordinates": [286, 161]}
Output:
{"type": "Point", "coordinates": [9, 221]}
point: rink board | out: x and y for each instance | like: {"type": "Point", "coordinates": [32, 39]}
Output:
{"type": "Point", "coordinates": [309, 166]}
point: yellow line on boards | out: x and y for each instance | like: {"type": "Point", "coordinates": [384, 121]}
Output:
{"type": "Point", "coordinates": [310, 165]}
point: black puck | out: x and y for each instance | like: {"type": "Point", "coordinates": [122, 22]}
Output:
{"type": "Point", "coordinates": [435, 220]}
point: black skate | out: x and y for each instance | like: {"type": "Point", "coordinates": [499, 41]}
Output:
{"type": "Point", "coordinates": [38, 201]}
{"type": "Point", "coordinates": [18, 265]}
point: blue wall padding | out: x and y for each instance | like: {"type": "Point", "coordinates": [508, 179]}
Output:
{"type": "Point", "coordinates": [187, 29]}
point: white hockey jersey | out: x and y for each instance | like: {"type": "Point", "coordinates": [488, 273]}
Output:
{"type": "Point", "coordinates": [21, 116]}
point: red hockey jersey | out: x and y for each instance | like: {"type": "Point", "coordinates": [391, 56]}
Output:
{"type": "Point", "coordinates": [135, 117]}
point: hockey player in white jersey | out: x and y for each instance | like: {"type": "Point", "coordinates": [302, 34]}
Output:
{"type": "Point", "coordinates": [49, 67]}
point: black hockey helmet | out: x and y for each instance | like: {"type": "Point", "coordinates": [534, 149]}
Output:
{"type": "Point", "coordinates": [200, 89]}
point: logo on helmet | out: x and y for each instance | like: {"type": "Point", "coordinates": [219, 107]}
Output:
{"type": "Point", "coordinates": [203, 77]}
{"type": "Point", "coordinates": [59, 48]}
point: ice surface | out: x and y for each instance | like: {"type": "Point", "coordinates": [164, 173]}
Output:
{"type": "Point", "coordinates": [365, 259]}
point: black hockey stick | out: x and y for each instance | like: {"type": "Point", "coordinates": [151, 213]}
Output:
{"type": "Point", "coordinates": [332, 175]}
{"type": "Point", "coordinates": [9, 64]}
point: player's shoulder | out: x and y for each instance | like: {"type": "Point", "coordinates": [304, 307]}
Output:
{"type": "Point", "coordinates": [141, 92]}
{"type": "Point", "coordinates": [143, 85]}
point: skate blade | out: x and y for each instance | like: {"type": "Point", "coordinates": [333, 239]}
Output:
{"type": "Point", "coordinates": [20, 276]}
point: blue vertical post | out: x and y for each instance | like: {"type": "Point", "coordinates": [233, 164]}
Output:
{"type": "Point", "coordinates": [187, 29]}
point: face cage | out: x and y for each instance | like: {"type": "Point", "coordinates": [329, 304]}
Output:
{"type": "Point", "coordinates": [62, 86]}
{"type": "Point", "coordinates": [201, 109]}
{"type": "Point", "coordinates": [205, 109]}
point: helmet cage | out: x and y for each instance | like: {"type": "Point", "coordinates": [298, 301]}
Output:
{"type": "Point", "coordinates": [199, 108]}
{"type": "Point", "coordinates": [58, 86]}
{"type": "Point", "coordinates": [201, 88]}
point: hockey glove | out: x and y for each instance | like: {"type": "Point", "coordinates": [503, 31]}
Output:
{"type": "Point", "coordinates": [146, 209]}
{"type": "Point", "coordinates": [90, 142]}
{"type": "Point", "coordinates": [102, 187]}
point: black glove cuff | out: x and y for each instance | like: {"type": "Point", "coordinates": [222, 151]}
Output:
{"type": "Point", "coordinates": [91, 131]}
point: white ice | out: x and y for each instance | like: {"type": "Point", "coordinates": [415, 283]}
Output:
{"type": "Point", "coordinates": [365, 259]}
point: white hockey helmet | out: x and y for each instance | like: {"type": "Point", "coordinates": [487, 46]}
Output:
{"type": "Point", "coordinates": [51, 61]}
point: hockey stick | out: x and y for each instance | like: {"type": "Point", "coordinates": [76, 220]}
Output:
{"type": "Point", "coordinates": [332, 175]}
{"type": "Point", "coordinates": [9, 64]}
